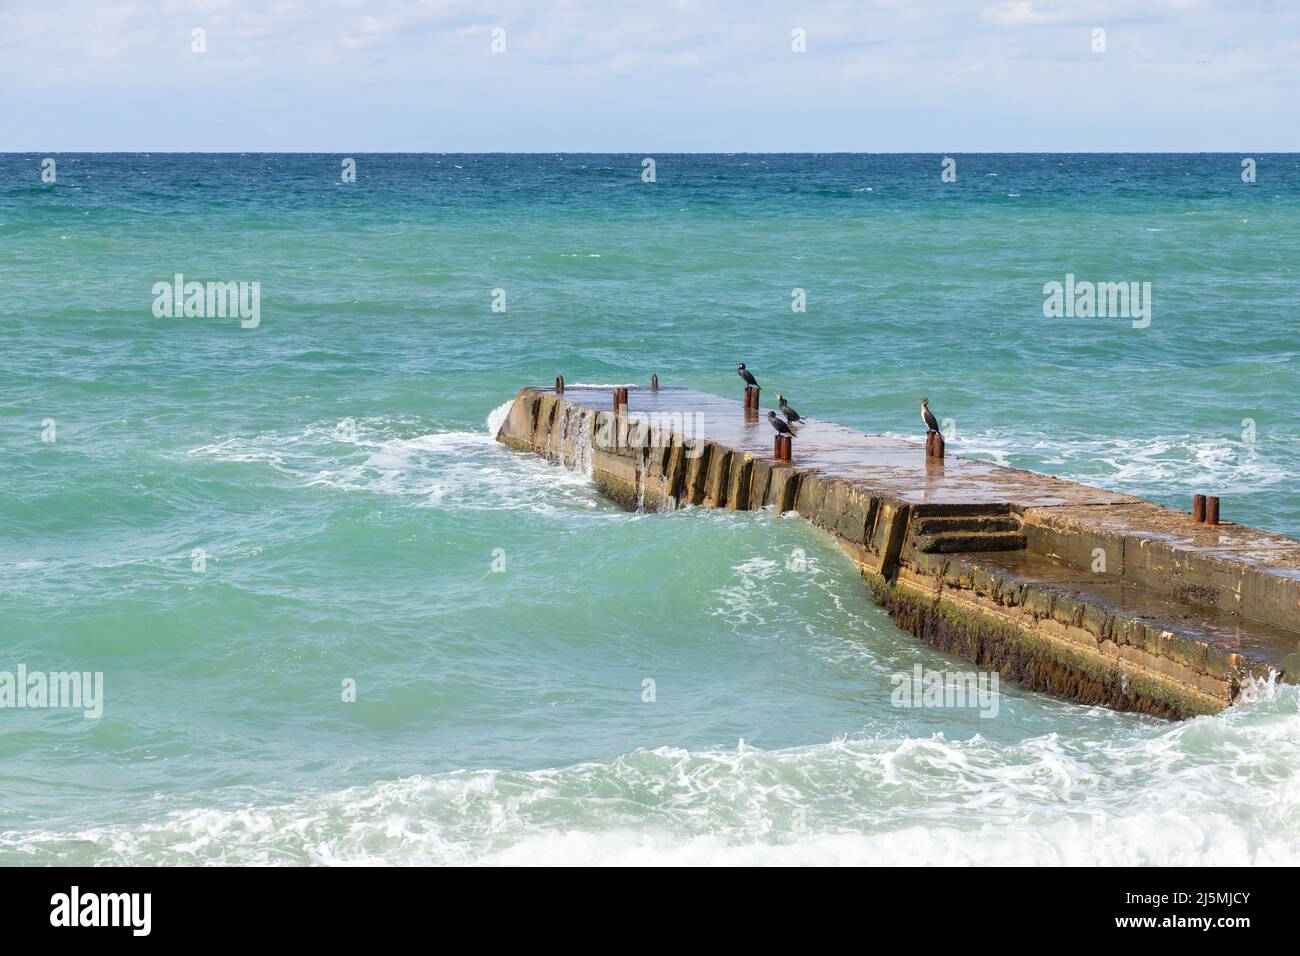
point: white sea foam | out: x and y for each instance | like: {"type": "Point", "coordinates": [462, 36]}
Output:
{"type": "Point", "coordinates": [1215, 790]}
{"type": "Point", "coordinates": [744, 602]}
{"type": "Point", "coordinates": [497, 417]}
{"type": "Point", "coordinates": [462, 469]}
{"type": "Point", "coordinates": [1138, 465]}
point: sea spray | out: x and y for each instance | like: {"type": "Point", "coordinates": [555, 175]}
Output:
{"type": "Point", "coordinates": [642, 467]}
{"type": "Point", "coordinates": [584, 442]}
{"type": "Point", "coordinates": [497, 417]}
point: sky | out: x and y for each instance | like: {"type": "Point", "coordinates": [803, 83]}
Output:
{"type": "Point", "coordinates": [650, 75]}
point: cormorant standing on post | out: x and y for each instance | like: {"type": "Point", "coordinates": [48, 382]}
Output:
{"type": "Point", "coordinates": [781, 427]}
{"type": "Point", "coordinates": [927, 416]}
{"type": "Point", "coordinates": [790, 414]}
{"type": "Point", "coordinates": [747, 375]}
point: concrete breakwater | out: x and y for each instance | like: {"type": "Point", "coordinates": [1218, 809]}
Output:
{"type": "Point", "coordinates": [1089, 594]}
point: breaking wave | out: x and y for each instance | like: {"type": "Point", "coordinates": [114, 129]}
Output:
{"type": "Point", "coordinates": [1215, 790]}
{"type": "Point", "coordinates": [396, 457]}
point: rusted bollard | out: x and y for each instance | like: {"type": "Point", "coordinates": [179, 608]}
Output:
{"type": "Point", "coordinates": [559, 385]}
{"type": "Point", "coordinates": [1198, 508]}
{"type": "Point", "coordinates": [784, 448]}
{"type": "Point", "coordinates": [751, 394]}
{"type": "Point", "coordinates": [1212, 509]}
{"type": "Point", "coordinates": [654, 383]}
{"type": "Point", "coordinates": [934, 445]}
{"type": "Point", "coordinates": [620, 398]}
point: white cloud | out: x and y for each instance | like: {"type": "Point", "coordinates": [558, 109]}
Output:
{"type": "Point", "coordinates": [887, 74]}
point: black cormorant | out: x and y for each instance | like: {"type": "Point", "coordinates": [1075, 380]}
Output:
{"type": "Point", "coordinates": [781, 427]}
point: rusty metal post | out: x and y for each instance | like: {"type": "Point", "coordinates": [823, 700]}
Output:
{"type": "Point", "coordinates": [1212, 509]}
{"type": "Point", "coordinates": [620, 398]}
{"type": "Point", "coordinates": [784, 448]}
{"type": "Point", "coordinates": [559, 385]}
{"type": "Point", "coordinates": [934, 445]}
{"type": "Point", "coordinates": [1198, 508]}
{"type": "Point", "coordinates": [654, 383]}
{"type": "Point", "coordinates": [749, 397]}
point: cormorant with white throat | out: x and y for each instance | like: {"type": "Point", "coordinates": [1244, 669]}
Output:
{"type": "Point", "coordinates": [927, 416]}
{"type": "Point", "coordinates": [790, 414]}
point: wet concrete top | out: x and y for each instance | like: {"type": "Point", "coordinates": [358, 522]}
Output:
{"type": "Point", "coordinates": [899, 469]}
{"type": "Point", "coordinates": [890, 466]}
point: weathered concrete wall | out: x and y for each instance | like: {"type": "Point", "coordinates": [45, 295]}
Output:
{"type": "Point", "coordinates": [1016, 589]}
{"type": "Point", "coordinates": [1199, 565]}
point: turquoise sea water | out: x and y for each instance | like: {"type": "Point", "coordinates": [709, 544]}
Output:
{"type": "Point", "coordinates": [336, 466]}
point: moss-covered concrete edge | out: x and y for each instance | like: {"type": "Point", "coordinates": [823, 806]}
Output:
{"type": "Point", "coordinates": [1030, 661]}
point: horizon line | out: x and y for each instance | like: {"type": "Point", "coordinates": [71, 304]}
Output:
{"type": "Point", "coordinates": [649, 152]}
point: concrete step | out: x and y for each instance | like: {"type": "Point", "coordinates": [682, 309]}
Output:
{"type": "Point", "coordinates": [947, 524]}
{"type": "Point", "coordinates": [959, 509]}
{"type": "Point", "coordinates": [963, 541]}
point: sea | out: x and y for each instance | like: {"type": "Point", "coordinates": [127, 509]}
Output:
{"type": "Point", "coordinates": [337, 623]}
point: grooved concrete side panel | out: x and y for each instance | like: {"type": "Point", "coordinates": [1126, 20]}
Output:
{"type": "Point", "coordinates": [719, 479]}
{"type": "Point", "coordinates": [742, 469]}
{"type": "Point", "coordinates": [697, 472]}
{"type": "Point", "coordinates": [808, 501]}
{"type": "Point", "coordinates": [760, 478]}
{"type": "Point", "coordinates": [783, 488]}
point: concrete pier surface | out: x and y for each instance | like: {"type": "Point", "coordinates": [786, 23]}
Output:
{"type": "Point", "coordinates": [1089, 594]}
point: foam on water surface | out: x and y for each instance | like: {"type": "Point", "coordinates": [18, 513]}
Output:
{"type": "Point", "coordinates": [1216, 790]}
